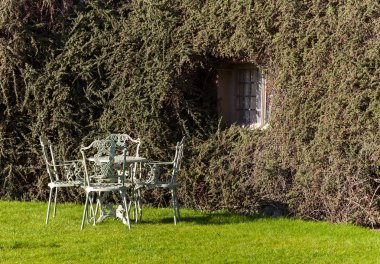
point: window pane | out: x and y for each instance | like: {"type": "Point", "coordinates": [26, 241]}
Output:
{"type": "Point", "coordinates": [247, 104]}
{"type": "Point", "coordinates": [242, 103]}
{"type": "Point", "coordinates": [248, 96]}
{"type": "Point", "coordinates": [239, 88]}
{"type": "Point", "coordinates": [247, 90]}
{"type": "Point", "coordinates": [241, 116]}
{"type": "Point", "coordinates": [253, 89]}
{"type": "Point", "coordinates": [247, 76]}
{"type": "Point", "coordinates": [253, 102]}
{"type": "Point", "coordinates": [253, 75]}
{"type": "Point", "coordinates": [241, 76]}
{"type": "Point", "coordinates": [246, 117]}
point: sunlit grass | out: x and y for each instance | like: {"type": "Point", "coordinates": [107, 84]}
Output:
{"type": "Point", "coordinates": [199, 238]}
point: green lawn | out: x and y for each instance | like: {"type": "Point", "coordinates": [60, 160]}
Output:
{"type": "Point", "coordinates": [198, 238]}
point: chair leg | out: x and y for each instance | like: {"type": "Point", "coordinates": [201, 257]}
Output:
{"type": "Point", "coordinates": [55, 202]}
{"type": "Point", "coordinates": [98, 207]}
{"type": "Point", "coordinates": [135, 210]}
{"type": "Point", "coordinates": [177, 205]}
{"type": "Point", "coordinates": [84, 211]}
{"type": "Point", "coordinates": [48, 209]}
{"type": "Point", "coordinates": [139, 205]}
{"type": "Point", "coordinates": [129, 207]}
{"type": "Point", "coordinates": [92, 211]}
{"type": "Point", "coordinates": [124, 196]}
{"type": "Point", "coordinates": [174, 206]}
{"type": "Point", "coordinates": [178, 214]}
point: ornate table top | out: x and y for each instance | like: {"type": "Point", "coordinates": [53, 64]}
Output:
{"type": "Point", "coordinates": [119, 159]}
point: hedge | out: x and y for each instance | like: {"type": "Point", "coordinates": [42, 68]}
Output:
{"type": "Point", "coordinates": [76, 70]}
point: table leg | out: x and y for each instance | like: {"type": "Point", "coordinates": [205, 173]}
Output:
{"type": "Point", "coordinates": [105, 210]}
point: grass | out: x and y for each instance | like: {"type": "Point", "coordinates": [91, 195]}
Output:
{"type": "Point", "coordinates": [199, 238]}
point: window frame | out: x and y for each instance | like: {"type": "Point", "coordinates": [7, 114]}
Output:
{"type": "Point", "coordinates": [231, 81]}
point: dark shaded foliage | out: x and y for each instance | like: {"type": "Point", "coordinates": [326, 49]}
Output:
{"type": "Point", "coordinates": [76, 70]}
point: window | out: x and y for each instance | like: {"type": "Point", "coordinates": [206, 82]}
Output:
{"type": "Point", "coordinates": [242, 97]}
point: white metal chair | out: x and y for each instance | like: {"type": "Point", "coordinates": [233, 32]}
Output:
{"type": "Point", "coordinates": [61, 173]}
{"type": "Point", "coordinates": [155, 178]}
{"type": "Point", "coordinates": [101, 176]}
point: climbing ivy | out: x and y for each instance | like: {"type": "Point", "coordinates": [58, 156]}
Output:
{"type": "Point", "coordinates": [77, 70]}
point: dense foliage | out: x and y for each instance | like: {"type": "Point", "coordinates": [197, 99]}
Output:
{"type": "Point", "coordinates": [77, 70]}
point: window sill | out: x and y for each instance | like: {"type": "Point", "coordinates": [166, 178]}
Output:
{"type": "Point", "coordinates": [256, 126]}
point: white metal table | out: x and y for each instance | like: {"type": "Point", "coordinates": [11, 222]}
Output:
{"type": "Point", "coordinates": [118, 212]}
{"type": "Point", "coordinates": [119, 159]}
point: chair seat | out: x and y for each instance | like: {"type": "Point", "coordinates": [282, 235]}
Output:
{"type": "Point", "coordinates": [155, 184]}
{"type": "Point", "coordinates": [105, 187]}
{"type": "Point", "coordinates": [65, 184]}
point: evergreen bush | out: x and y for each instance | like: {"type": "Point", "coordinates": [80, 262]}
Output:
{"type": "Point", "coordinates": [76, 70]}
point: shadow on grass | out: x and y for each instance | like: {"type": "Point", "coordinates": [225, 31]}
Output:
{"type": "Point", "coordinates": [268, 209]}
{"type": "Point", "coordinates": [214, 218]}
{"type": "Point", "coordinates": [221, 218]}
{"type": "Point", "coordinates": [29, 245]}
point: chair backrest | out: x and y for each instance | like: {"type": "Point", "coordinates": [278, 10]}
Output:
{"type": "Point", "coordinates": [177, 159]}
{"type": "Point", "coordinates": [48, 154]}
{"type": "Point", "coordinates": [125, 140]}
{"type": "Point", "coordinates": [101, 167]}
{"type": "Point", "coordinates": [132, 147]}
{"type": "Point", "coordinates": [68, 171]}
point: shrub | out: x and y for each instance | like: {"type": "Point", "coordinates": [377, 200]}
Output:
{"type": "Point", "coordinates": [76, 70]}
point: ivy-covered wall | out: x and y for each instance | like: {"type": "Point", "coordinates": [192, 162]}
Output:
{"type": "Point", "coordinates": [77, 70]}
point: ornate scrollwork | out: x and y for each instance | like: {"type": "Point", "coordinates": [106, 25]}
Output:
{"type": "Point", "coordinates": [104, 171]}
{"type": "Point", "coordinates": [74, 171]}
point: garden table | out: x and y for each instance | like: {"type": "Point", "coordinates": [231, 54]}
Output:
{"type": "Point", "coordinates": [118, 160]}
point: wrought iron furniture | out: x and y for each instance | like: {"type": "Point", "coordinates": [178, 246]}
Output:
{"type": "Point", "coordinates": [101, 176]}
{"type": "Point", "coordinates": [125, 140]}
{"type": "Point", "coordinates": [133, 147]}
{"type": "Point", "coordinates": [61, 173]}
{"type": "Point", "coordinates": [156, 178]}
{"type": "Point", "coordinates": [107, 211]}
